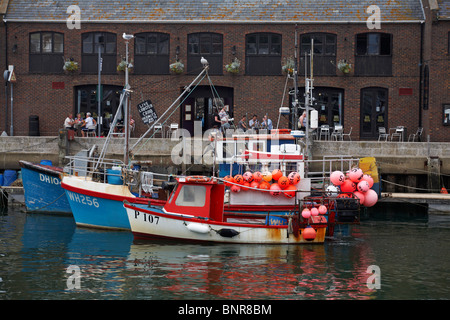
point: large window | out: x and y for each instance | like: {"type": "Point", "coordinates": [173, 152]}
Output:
{"type": "Point", "coordinates": [46, 52]}
{"type": "Point", "coordinates": [208, 45]}
{"type": "Point", "coordinates": [151, 53]}
{"type": "Point", "coordinates": [92, 43]}
{"type": "Point", "coordinates": [373, 54]}
{"type": "Point", "coordinates": [263, 54]}
{"type": "Point", "coordinates": [324, 53]}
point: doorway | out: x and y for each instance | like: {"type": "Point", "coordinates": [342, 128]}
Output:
{"type": "Point", "coordinates": [86, 100]}
{"type": "Point", "coordinates": [202, 106]}
{"type": "Point", "coordinates": [374, 111]}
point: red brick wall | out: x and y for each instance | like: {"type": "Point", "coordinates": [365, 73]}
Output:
{"type": "Point", "coordinates": [33, 94]}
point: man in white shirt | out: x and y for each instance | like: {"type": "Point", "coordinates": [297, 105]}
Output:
{"type": "Point", "coordinates": [89, 124]}
{"type": "Point", "coordinates": [68, 123]}
{"type": "Point", "coordinates": [267, 123]}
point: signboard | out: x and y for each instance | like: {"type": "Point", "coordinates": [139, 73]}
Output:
{"type": "Point", "coordinates": [147, 112]}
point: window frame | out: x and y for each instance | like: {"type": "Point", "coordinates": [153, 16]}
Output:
{"type": "Point", "coordinates": [324, 63]}
{"type": "Point", "coordinates": [109, 59]}
{"type": "Point", "coordinates": [379, 34]}
{"type": "Point", "coordinates": [151, 62]}
{"type": "Point", "coordinates": [369, 63]}
{"type": "Point", "coordinates": [45, 62]}
{"type": "Point", "coordinates": [214, 57]}
{"type": "Point", "coordinates": [262, 63]}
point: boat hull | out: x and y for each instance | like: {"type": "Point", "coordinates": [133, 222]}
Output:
{"type": "Point", "coordinates": [42, 188]}
{"type": "Point", "coordinates": [150, 223]}
{"type": "Point", "coordinates": [97, 204]}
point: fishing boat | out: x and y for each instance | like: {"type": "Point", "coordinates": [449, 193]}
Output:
{"type": "Point", "coordinates": [42, 187]}
{"type": "Point", "coordinates": [195, 212]}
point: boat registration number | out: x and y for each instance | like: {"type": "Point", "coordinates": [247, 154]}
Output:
{"type": "Point", "coordinates": [146, 217]}
{"type": "Point", "coordinates": [90, 201]}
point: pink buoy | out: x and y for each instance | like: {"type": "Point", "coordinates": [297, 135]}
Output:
{"type": "Point", "coordinates": [294, 178]}
{"type": "Point", "coordinates": [314, 212]}
{"type": "Point", "coordinates": [235, 188]}
{"type": "Point", "coordinates": [360, 196]}
{"type": "Point", "coordinates": [371, 198]}
{"type": "Point", "coordinates": [348, 186]}
{"type": "Point", "coordinates": [257, 176]}
{"type": "Point", "coordinates": [363, 186]}
{"type": "Point", "coordinates": [369, 179]}
{"type": "Point", "coordinates": [275, 189]}
{"type": "Point", "coordinates": [356, 175]}
{"type": "Point", "coordinates": [306, 213]}
{"type": "Point", "coordinates": [337, 178]}
{"type": "Point", "coordinates": [248, 176]}
{"type": "Point", "coordinates": [322, 209]}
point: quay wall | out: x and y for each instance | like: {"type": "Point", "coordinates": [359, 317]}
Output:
{"type": "Point", "coordinates": [394, 159]}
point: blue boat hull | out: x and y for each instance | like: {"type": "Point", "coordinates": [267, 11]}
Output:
{"type": "Point", "coordinates": [42, 189]}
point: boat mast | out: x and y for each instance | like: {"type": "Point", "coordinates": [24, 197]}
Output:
{"type": "Point", "coordinates": [295, 103]}
{"type": "Point", "coordinates": [308, 94]}
{"type": "Point", "coordinates": [126, 121]}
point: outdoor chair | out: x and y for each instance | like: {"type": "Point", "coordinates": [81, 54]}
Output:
{"type": "Point", "coordinates": [347, 135]}
{"type": "Point", "coordinates": [337, 133]}
{"type": "Point", "coordinates": [158, 129]}
{"type": "Point", "coordinates": [382, 134]}
{"type": "Point", "coordinates": [324, 131]}
{"type": "Point", "coordinates": [418, 134]}
{"type": "Point", "coordinates": [398, 133]}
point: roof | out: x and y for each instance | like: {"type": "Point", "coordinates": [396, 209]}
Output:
{"type": "Point", "coordinates": [444, 10]}
{"type": "Point", "coordinates": [218, 11]}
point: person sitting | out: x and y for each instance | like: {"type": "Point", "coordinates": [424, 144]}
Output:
{"type": "Point", "coordinates": [243, 123]}
{"type": "Point", "coordinates": [254, 123]}
{"type": "Point", "coordinates": [266, 123]}
{"type": "Point", "coordinates": [78, 122]}
{"type": "Point", "coordinates": [89, 124]}
{"type": "Point", "coordinates": [223, 116]}
{"type": "Point", "coordinates": [69, 122]}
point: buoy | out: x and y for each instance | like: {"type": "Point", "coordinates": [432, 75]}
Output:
{"type": "Point", "coordinates": [245, 186]}
{"type": "Point", "coordinates": [444, 191]}
{"type": "Point", "coordinates": [306, 213]}
{"type": "Point", "coordinates": [369, 179]}
{"type": "Point", "coordinates": [267, 176]}
{"type": "Point", "coordinates": [337, 178]}
{"type": "Point", "coordinates": [257, 176]}
{"type": "Point", "coordinates": [332, 191]}
{"type": "Point", "coordinates": [356, 174]}
{"type": "Point", "coordinates": [229, 179]}
{"type": "Point", "coordinates": [248, 176]}
{"type": "Point", "coordinates": [294, 178]}
{"type": "Point", "coordinates": [370, 198]}
{"type": "Point", "coordinates": [363, 186]}
{"type": "Point", "coordinates": [290, 191]}
{"type": "Point", "coordinates": [254, 184]}
{"type": "Point", "coordinates": [322, 209]}
{"type": "Point", "coordinates": [276, 174]}
{"type": "Point", "coordinates": [283, 182]}
{"type": "Point", "coordinates": [360, 195]}
{"type": "Point", "coordinates": [264, 185]}
{"type": "Point", "coordinates": [275, 189]}
{"type": "Point", "coordinates": [314, 212]}
{"type": "Point", "coordinates": [348, 186]}
{"type": "Point", "coordinates": [235, 188]}
{"type": "Point", "coordinates": [198, 227]}
{"type": "Point", "coordinates": [239, 179]}
{"type": "Point", "coordinates": [344, 195]}
{"type": "Point", "coordinates": [309, 234]}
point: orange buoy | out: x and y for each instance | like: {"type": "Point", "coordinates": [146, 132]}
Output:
{"type": "Point", "coordinates": [264, 185]}
{"type": "Point", "coordinates": [348, 186]}
{"type": "Point", "coordinates": [267, 176]}
{"type": "Point", "coordinates": [309, 234]}
{"type": "Point", "coordinates": [276, 174]}
{"type": "Point", "coordinates": [254, 184]}
{"type": "Point", "coordinates": [235, 188]}
{"type": "Point", "coordinates": [229, 179]}
{"type": "Point", "coordinates": [245, 186]}
{"type": "Point", "coordinates": [239, 179]}
{"type": "Point", "coordinates": [257, 176]}
{"type": "Point", "coordinates": [290, 191]}
{"type": "Point", "coordinates": [283, 182]}
{"type": "Point", "coordinates": [444, 191]}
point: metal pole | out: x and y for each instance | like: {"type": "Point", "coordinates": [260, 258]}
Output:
{"type": "Point", "coordinates": [12, 104]}
{"type": "Point", "coordinates": [99, 101]}
{"type": "Point", "coordinates": [126, 120]}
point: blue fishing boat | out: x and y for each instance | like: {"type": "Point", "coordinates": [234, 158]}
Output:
{"type": "Point", "coordinates": [42, 187]}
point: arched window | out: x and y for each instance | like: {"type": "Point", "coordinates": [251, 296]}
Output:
{"type": "Point", "coordinates": [46, 52]}
{"type": "Point", "coordinates": [91, 42]}
{"type": "Point", "coordinates": [373, 54]}
{"type": "Point", "coordinates": [324, 53]}
{"type": "Point", "coordinates": [263, 54]}
{"type": "Point", "coordinates": [151, 53]}
{"type": "Point", "coordinates": [208, 45]}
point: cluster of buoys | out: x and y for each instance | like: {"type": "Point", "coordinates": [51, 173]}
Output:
{"type": "Point", "coordinates": [274, 182]}
{"type": "Point", "coordinates": [355, 183]}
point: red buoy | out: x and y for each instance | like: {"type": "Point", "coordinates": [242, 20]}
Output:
{"type": "Point", "coordinates": [309, 234]}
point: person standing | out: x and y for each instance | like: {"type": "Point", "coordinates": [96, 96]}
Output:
{"type": "Point", "coordinates": [243, 123]}
{"type": "Point", "coordinates": [254, 123]}
{"type": "Point", "coordinates": [266, 123]}
{"type": "Point", "coordinates": [89, 124]}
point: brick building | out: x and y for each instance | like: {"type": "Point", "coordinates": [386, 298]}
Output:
{"type": "Point", "coordinates": [399, 74]}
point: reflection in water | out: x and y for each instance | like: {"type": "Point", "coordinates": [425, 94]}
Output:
{"type": "Point", "coordinates": [37, 249]}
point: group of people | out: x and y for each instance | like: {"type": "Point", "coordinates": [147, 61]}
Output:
{"type": "Point", "coordinates": [255, 124]}
{"type": "Point", "coordinates": [85, 125]}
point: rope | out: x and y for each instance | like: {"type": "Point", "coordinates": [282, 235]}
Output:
{"type": "Point", "coordinates": [48, 203]}
{"type": "Point", "coordinates": [405, 186]}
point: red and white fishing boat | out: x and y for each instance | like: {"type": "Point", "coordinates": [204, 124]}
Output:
{"type": "Point", "coordinates": [195, 212]}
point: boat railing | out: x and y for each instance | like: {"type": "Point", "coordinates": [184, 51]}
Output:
{"type": "Point", "coordinates": [319, 170]}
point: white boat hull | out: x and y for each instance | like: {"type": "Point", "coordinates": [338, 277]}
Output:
{"type": "Point", "coordinates": [155, 223]}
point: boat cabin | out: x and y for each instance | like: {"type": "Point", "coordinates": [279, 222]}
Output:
{"type": "Point", "coordinates": [198, 196]}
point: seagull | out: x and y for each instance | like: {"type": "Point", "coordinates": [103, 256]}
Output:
{"type": "Point", "coordinates": [127, 36]}
{"type": "Point", "coordinates": [204, 62]}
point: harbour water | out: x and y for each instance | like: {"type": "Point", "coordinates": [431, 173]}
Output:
{"type": "Point", "coordinates": [46, 257]}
